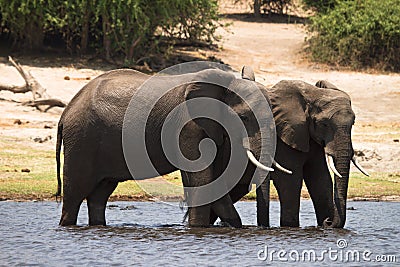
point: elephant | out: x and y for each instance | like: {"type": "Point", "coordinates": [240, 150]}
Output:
{"type": "Point", "coordinates": [313, 126]}
{"type": "Point", "coordinates": [91, 130]}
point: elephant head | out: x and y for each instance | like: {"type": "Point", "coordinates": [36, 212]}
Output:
{"type": "Point", "coordinates": [229, 107]}
{"type": "Point", "coordinates": [242, 96]}
{"type": "Point", "coordinates": [323, 113]}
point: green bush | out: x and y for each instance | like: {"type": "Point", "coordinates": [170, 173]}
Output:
{"type": "Point", "coordinates": [359, 34]}
{"type": "Point", "coordinates": [319, 5]}
{"type": "Point", "coordinates": [128, 28]}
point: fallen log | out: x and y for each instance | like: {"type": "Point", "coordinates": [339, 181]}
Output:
{"type": "Point", "coordinates": [51, 102]}
{"type": "Point", "coordinates": [39, 93]}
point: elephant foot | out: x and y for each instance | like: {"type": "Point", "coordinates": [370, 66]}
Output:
{"type": "Point", "coordinates": [69, 214]}
{"type": "Point", "coordinates": [97, 216]}
{"type": "Point", "coordinates": [290, 224]}
{"type": "Point", "coordinates": [67, 220]}
{"type": "Point", "coordinates": [94, 222]}
{"type": "Point", "coordinates": [199, 216]}
{"type": "Point", "coordinates": [327, 223]}
{"type": "Point", "coordinates": [232, 223]}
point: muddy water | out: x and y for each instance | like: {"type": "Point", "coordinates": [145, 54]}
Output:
{"type": "Point", "coordinates": [152, 234]}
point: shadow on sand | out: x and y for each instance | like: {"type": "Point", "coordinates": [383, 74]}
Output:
{"type": "Point", "coordinates": [51, 58]}
{"type": "Point", "coordinates": [267, 18]}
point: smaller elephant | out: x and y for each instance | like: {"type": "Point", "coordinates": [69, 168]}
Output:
{"type": "Point", "coordinates": [92, 130]}
{"type": "Point", "coordinates": [313, 125]}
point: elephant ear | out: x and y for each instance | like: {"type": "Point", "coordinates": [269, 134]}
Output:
{"type": "Point", "coordinates": [248, 73]}
{"type": "Point", "coordinates": [200, 89]}
{"type": "Point", "coordinates": [290, 114]}
{"type": "Point", "coordinates": [325, 84]}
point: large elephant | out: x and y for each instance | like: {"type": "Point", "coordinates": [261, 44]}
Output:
{"type": "Point", "coordinates": [91, 128]}
{"type": "Point", "coordinates": [313, 125]}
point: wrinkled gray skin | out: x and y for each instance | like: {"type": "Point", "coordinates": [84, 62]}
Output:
{"type": "Point", "coordinates": [312, 121]}
{"type": "Point", "coordinates": [90, 128]}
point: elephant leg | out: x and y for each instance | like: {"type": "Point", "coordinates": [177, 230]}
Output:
{"type": "Point", "coordinates": [71, 205]}
{"type": "Point", "coordinates": [262, 193]}
{"type": "Point", "coordinates": [319, 184]}
{"type": "Point", "coordinates": [225, 210]}
{"type": "Point", "coordinates": [289, 189]}
{"type": "Point", "coordinates": [235, 194]}
{"type": "Point", "coordinates": [77, 184]}
{"type": "Point", "coordinates": [239, 191]}
{"type": "Point", "coordinates": [97, 201]}
{"type": "Point", "coordinates": [206, 215]}
{"type": "Point", "coordinates": [289, 186]}
{"type": "Point", "coordinates": [74, 192]}
{"type": "Point", "coordinates": [213, 217]}
{"type": "Point", "coordinates": [198, 216]}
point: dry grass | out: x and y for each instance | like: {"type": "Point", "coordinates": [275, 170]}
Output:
{"type": "Point", "coordinates": [16, 183]}
{"type": "Point", "coordinates": [376, 132]}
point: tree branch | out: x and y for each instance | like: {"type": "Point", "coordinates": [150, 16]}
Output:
{"type": "Point", "coordinates": [31, 83]}
{"type": "Point", "coordinates": [40, 96]}
{"type": "Point", "coordinates": [14, 88]}
{"type": "Point", "coordinates": [51, 102]}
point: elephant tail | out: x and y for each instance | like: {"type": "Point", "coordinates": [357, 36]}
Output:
{"type": "Point", "coordinates": [58, 150]}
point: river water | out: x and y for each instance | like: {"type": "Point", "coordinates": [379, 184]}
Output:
{"type": "Point", "coordinates": [152, 234]}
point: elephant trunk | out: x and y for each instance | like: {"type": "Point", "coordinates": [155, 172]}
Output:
{"type": "Point", "coordinates": [342, 155]}
{"type": "Point", "coordinates": [340, 192]}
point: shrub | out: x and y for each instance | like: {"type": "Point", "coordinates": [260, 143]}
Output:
{"type": "Point", "coordinates": [358, 34]}
{"type": "Point", "coordinates": [128, 28]}
{"type": "Point", "coordinates": [319, 5]}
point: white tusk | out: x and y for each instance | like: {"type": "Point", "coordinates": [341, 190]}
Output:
{"type": "Point", "coordinates": [279, 167]}
{"type": "Point", "coordinates": [257, 163]}
{"type": "Point", "coordinates": [355, 162]}
{"type": "Point", "coordinates": [331, 166]}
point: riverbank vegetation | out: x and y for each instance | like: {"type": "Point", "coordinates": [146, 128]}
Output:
{"type": "Point", "coordinates": [134, 31]}
{"type": "Point", "coordinates": [356, 34]}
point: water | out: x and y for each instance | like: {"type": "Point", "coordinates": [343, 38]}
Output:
{"type": "Point", "coordinates": [152, 234]}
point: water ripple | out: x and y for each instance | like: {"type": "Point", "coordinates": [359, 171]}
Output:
{"type": "Point", "coordinates": [153, 234]}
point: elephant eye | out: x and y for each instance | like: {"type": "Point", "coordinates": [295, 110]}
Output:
{"type": "Point", "coordinates": [323, 122]}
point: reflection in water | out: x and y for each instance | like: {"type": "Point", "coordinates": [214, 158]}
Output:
{"type": "Point", "coordinates": [144, 233]}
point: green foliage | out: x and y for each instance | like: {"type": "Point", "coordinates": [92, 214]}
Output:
{"type": "Point", "coordinates": [193, 22]}
{"type": "Point", "coordinates": [359, 34]}
{"type": "Point", "coordinates": [25, 18]}
{"type": "Point", "coordinates": [320, 5]}
{"type": "Point", "coordinates": [130, 28]}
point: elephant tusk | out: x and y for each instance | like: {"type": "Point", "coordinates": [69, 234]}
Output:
{"type": "Point", "coordinates": [256, 162]}
{"type": "Point", "coordinates": [279, 167]}
{"type": "Point", "coordinates": [331, 166]}
{"type": "Point", "coordinates": [355, 162]}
